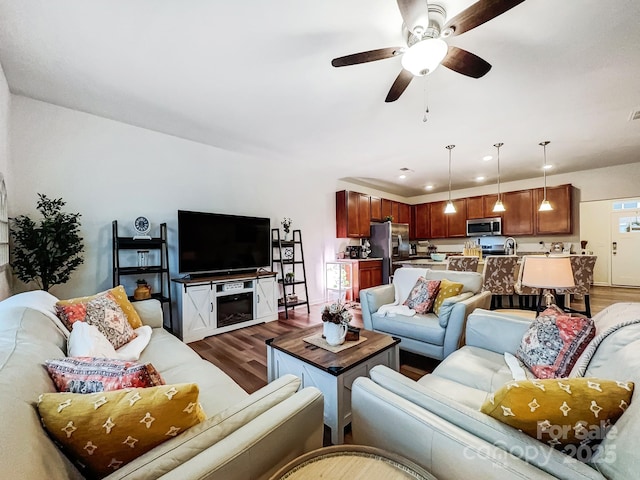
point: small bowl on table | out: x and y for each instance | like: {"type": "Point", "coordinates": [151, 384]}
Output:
{"type": "Point", "coordinates": [438, 257]}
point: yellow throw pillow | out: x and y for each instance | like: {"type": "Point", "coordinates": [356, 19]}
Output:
{"type": "Point", "coordinates": [560, 411]}
{"type": "Point", "coordinates": [103, 431]}
{"type": "Point", "coordinates": [447, 289]}
{"type": "Point", "coordinates": [121, 298]}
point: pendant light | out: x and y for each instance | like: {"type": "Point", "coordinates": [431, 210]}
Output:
{"type": "Point", "coordinates": [545, 206]}
{"type": "Point", "coordinates": [450, 208]}
{"type": "Point", "coordinates": [498, 207]}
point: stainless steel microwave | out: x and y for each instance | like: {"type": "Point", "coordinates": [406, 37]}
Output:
{"type": "Point", "coordinates": [480, 227]}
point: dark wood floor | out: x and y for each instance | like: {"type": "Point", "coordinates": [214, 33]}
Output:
{"type": "Point", "coordinates": [242, 353]}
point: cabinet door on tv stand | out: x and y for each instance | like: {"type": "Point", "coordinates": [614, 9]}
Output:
{"type": "Point", "coordinates": [266, 299]}
{"type": "Point", "coordinates": [198, 313]}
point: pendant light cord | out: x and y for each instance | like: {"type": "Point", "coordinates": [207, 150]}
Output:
{"type": "Point", "coordinates": [498, 145]}
{"type": "Point", "coordinates": [450, 147]}
{"type": "Point", "coordinates": [544, 167]}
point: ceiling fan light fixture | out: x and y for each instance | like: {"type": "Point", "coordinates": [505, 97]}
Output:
{"type": "Point", "coordinates": [423, 57]}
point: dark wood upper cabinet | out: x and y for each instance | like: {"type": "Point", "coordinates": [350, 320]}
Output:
{"type": "Point", "coordinates": [457, 222]}
{"type": "Point", "coordinates": [438, 220]}
{"type": "Point", "coordinates": [518, 218]}
{"type": "Point", "coordinates": [386, 208]}
{"type": "Point", "coordinates": [422, 222]}
{"type": "Point", "coordinates": [376, 209]}
{"type": "Point", "coordinates": [353, 214]}
{"type": "Point", "coordinates": [395, 211]}
{"type": "Point", "coordinates": [482, 206]}
{"type": "Point", "coordinates": [558, 220]}
{"type": "Point", "coordinates": [404, 213]}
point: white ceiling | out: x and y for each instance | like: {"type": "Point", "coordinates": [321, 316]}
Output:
{"type": "Point", "coordinates": [255, 76]}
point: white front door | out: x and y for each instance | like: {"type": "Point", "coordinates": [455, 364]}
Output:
{"type": "Point", "coordinates": [625, 248]}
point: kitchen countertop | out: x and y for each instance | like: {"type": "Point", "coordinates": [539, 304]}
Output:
{"type": "Point", "coordinates": [359, 259]}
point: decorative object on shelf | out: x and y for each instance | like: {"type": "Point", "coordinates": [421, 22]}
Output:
{"type": "Point", "coordinates": [48, 252]}
{"type": "Point", "coordinates": [287, 253]}
{"type": "Point", "coordinates": [366, 248]}
{"type": "Point", "coordinates": [289, 277]}
{"type": "Point", "coordinates": [286, 226]}
{"type": "Point", "coordinates": [142, 227]}
{"type": "Point", "coordinates": [450, 208]}
{"type": "Point", "coordinates": [142, 291]}
{"type": "Point", "coordinates": [292, 298]}
{"type": "Point", "coordinates": [545, 206]}
{"type": "Point", "coordinates": [143, 258]}
{"type": "Point", "coordinates": [499, 206]}
{"type": "Point", "coordinates": [388, 218]}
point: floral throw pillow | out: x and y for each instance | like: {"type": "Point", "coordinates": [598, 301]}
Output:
{"type": "Point", "coordinates": [422, 295]}
{"type": "Point", "coordinates": [554, 342]}
{"type": "Point", "coordinates": [91, 374]}
{"type": "Point", "coordinates": [102, 311]}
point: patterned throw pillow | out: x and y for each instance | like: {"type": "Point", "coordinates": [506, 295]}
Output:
{"type": "Point", "coordinates": [561, 411]}
{"type": "Point", "coordinates": [553, 343]}
{"type": "Point", "coordinates": [89, 374]}
{"type": "Point", "coordinates": [102, 311]}
{"type": "Point", "coordinates": [103, 431]}
{"type": "Point", "coordinates": [447, 289]}
{"type": "Point", "coordinates": [422, 295]}
{"type": "Point", "coordinates": [122, 299]}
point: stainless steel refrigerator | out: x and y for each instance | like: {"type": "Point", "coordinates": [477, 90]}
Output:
{"type": "Point", "coordinates": [389, 241]}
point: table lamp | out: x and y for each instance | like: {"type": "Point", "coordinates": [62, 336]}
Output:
{"type": "Point", "coordinates": [547, 273]}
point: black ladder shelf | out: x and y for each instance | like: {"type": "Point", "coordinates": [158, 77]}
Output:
{"type": "Point", "coordinates": [288, 263]}
{"type": "Point", "coordinates": [160, 270]}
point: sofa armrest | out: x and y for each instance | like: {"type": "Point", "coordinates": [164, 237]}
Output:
{"type": "Point", "coordinates": [261, 447]}
{"type": "Point", "coordinates": [150, 312]}
{"type": "Point", "coordinates": [383, 419]}
{"type": "Point", "coordinates": [453, 316]}
{"type": "Point", "coordinates": [371, 299]}
{"type": "Point", "coordinates": [494, 331]}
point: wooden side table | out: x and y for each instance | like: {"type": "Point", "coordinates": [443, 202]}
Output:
{"type": "Point", "coordinates": [351, 462]}
{"type": "Point", "coordinates": [332, 373]}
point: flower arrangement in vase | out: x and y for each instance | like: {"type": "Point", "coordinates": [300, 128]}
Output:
{"type": "Point", "coordinates": [286, 226]}
{"type": "Point", "coordinates": [335, 319]}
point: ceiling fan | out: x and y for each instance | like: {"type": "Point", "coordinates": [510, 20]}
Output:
{"type": "Point", "coordinates": [426, 48]}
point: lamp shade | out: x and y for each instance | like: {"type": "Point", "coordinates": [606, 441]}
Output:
{"type": "Point", "coordinates": [547, 272]}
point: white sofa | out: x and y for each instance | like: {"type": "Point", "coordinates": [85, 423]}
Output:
{"type": "Point", "coordinates": [437, 423]}
{"type": "Point", "coordinates": [425, 334]}
{"type": "Point", "coordinates": [255, 436]}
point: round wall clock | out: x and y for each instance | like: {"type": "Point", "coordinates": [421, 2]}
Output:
{"type": "Point", "coordinates": [142, 226]}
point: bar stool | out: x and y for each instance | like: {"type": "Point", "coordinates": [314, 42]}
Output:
{"type": "Point", "coordinates": [582, 266]}
{"type": "Point", "coordinates": [461, 263]}
{"type": "Point", "coordinates": [498, 278]}
{"type": "Point", "coordinates": [527, 296]}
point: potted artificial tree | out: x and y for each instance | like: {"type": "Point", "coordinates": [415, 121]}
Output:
{"type": "Point", "coordinates": [46, 252]}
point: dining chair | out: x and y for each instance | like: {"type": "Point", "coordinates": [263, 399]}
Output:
{"type": "Point", "coordinates": [527, 296]}
{"type": "Point", "coordinates": [582, 266]}
{"type": "Point", "coordinates": [498, 278]}
{"type": "Point", "coordinates": [462, 263]}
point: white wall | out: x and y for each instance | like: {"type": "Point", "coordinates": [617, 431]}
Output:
{"type": "Point", "coordinates": [108, 170]}
{"type": "Point", "coordinates": [5, 106]}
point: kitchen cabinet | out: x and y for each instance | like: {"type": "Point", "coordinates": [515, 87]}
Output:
{"type": "Point", "coordinates": [558, 220]}
{"type": "Point", "coordinates": [395, 211]}
{"type": "Point", "coordinates": [376, 209]}
{"type": "Point", "coordinates": [353, 214]}
{"type": "Point", "coordinates": [422, 223]}
{"type": "Point", "coordinates": [518, 219]}
{"type": "Point", "coordinates": [481, 206]}
{"type": "Point", "coordinates": [367, 273]}
{"type": "Point", "coordinates": [386, 208]}
{"type": "Point", "coordinates": [457, 222]}
{"type": "Point", "coordinates": [438, 221]}
{"type": "Point", "coordinates": [404, 213]}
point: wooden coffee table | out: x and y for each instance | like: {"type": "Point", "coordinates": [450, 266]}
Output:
{"type": "Point", "coordinates": [332, 373]}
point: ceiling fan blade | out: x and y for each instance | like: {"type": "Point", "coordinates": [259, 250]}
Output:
{"type": "Point", "coordinates": [415, 14]}
{"type": "Point", "coordinates": [363, 57]}
{"type": "Point", "coordinates": [466, 63]}
{"type": "Point", "coordinates": [399, 86]}
{"type": "Point", "coordinates": [479, 13]}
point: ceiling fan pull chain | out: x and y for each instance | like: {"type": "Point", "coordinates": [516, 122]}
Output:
{"type": "Point", "coordinates": [426, 101]}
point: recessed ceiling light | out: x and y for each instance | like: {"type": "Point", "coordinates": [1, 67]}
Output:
{"type": "Point", "coordinates": [428, 187]}
{"type": "Point", "coordinates": [480, 178]}
{"type": "Point", "coordinates": [402, 177]}
{"type": "Point", "coordinates": [547, 166]}
{"type": "Point", "coordinates": [486, 158]}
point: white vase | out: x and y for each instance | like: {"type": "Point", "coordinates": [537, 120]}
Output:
{"type": "Point", "coordinates": [334, 333]}
{"type": "Point", "coordinates": [287, 236]}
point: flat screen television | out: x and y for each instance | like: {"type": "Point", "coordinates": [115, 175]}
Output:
{"type": "Point", "coordinates": [219, 243]}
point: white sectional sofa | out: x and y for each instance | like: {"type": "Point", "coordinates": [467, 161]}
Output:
{"type": "Point", "coordinates": [437, 423]}
{"type": "Point", "coordinates": [245, 436]}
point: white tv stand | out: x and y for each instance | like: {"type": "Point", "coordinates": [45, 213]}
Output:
{"type": "Point", "coordinates": [218, 304]}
